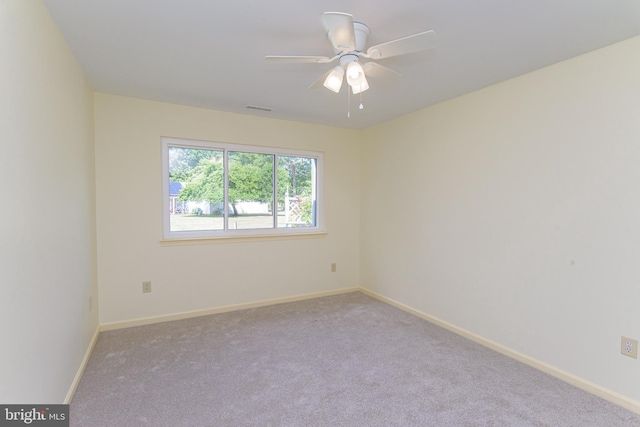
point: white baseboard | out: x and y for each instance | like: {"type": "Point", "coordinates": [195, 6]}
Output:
{"type": "Point", "coordinates": [217, 310]}
{"type": "Point", "coordinates": [595, 389]}
{"type": "Point", "coordinates": [83, 365]}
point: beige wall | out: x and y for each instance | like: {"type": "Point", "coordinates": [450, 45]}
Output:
{"type": "Point", "coordinates": [513, 212]}
{"type": "Point", "coordinates": [47, 217]}
{"type": "Point", "coordinates": [200, 277]}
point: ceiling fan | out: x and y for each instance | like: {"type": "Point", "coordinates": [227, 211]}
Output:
{"type": "Point", "coordinates": [349, 39]}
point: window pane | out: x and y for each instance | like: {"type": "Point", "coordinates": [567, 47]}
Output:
{"type": "Point", "coordinates": [196, 189]}
{"type": "Point", "coordinates": [214, 189]}
{"type": "Point", "coordinates": [296, 191]}
{"type": "Point", "coordinates": [250, 190]}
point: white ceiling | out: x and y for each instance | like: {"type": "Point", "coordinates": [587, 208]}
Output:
{"type": "Point", "coordinates": [209, 53]}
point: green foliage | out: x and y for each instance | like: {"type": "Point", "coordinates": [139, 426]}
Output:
{"type": "Point", "coordinates": [206, 183]}
{"type": "Point", "coordinates": [298, 175]}
{"type": "Point", "coordinates": [306, 211]}
{"type": "Point", "coordinates": [250, 176]}
{"type": "Point", "coordinates": [183, 161]}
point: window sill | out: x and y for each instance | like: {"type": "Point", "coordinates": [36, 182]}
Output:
{"type": "Point", "coordinates": [239, 239]}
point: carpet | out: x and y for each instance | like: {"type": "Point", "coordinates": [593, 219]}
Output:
{"type": "Point", "coordinates": [345, 360]}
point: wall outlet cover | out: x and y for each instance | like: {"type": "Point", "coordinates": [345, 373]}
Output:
{"type": "Point", "coordinates": [629, 347]}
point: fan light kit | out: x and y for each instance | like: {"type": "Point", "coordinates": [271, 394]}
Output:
{"type": "Point", "coordinates": [349, 39]}
{"type": "Point", "coordinates": [333, 81]}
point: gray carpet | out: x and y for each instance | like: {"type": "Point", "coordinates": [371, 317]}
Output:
{"type": "Point", "coordinates": [346, 360]}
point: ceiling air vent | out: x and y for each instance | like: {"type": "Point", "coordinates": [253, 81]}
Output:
{"type": "Point", "coordinates": [253, 107]}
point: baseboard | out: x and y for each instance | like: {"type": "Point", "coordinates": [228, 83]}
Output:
{"type": "Point", "coordinates": [595, 389]}
{"type": "Point", "coordinates": [83, 365]}
{"type": "Point", "coordinates": [218, 310]}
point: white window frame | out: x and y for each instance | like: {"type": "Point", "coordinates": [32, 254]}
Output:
{"type": "Point", "coordinates": [229, 233]}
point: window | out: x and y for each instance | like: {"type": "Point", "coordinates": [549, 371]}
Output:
{"type": "Point", "coordinates": [222, 190]}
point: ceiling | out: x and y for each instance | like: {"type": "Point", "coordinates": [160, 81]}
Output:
{"type": "Point", "coordinates": [209, 53]}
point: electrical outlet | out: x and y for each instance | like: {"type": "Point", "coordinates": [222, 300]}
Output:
{"type": "Point", "coordinates": [333, 267]}
{"type": "Point", "coordinates": [146, 287]}
{"type": "Point", "coordinates": [629, 347]}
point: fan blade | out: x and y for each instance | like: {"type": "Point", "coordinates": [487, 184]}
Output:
{"type": "Point", "coordinates": [409, 44]}
{"type": "Point", "coordinates": [340, 31]}
{"type": "Point", "coordinates": [377, 71]}
{"type": "Point", "coordinates": [301, 59]}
